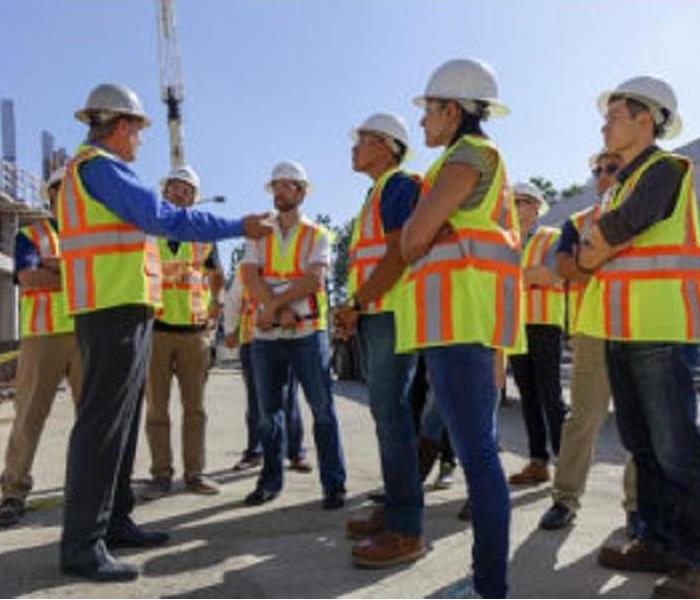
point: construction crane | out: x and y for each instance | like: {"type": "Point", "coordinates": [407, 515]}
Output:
{"type": "Point", "coordinates": [171, 87]}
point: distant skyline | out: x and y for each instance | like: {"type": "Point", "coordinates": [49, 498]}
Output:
{"type": "Point", "coordinates": [267, 80]}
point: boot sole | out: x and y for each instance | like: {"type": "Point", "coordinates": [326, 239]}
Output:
{"type": "Point", "coordinates": [367, 563]}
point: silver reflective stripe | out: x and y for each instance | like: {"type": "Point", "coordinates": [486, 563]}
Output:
{"type": "Point", "coordinates": [80, 282]}
{"type": "Point", "coordinates": [510, 316]}
{"type": "Point", "coordinates": [44, 242]}
{"type": "Point", "coordinates": [42, 304]}
{"type": "Point", "coordinates": [537, 303]}
{"type": "Point", "coordinates": [658, 262]}
{"type": "Point", "coordinates": [469, 247]}
{"type": "Point", "coordinates": [615, 308]}
{"type": "Point", "coordinates": [440, 253]}
{"type": "Point", "coordinates": [103, 238]}
{"type": "Point", "coordinates": [71, 202]}
{"type": "Point", "coordinates": [690, 289]}
{"type": "Point", "coordinates": [367, 271]}
{"type": "Point", "coordinates": [367, 231]}
{"type": "Point", "coordinates": [433, 307]}
{"type": "Point", "coordinates": [307, 244]}
{"type": "Point", "coordinates": [376, 251]}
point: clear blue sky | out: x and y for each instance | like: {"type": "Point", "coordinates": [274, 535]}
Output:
{"type": "Point", "coordinates": [267, 80]}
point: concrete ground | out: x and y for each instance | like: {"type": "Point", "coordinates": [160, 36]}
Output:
{"type": "Point", "coordinates": [291, 548]}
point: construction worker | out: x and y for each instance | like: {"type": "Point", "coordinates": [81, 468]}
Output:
{"type": "Point", "coordinates": [461, 300]}
{"type": "Point", "coordinates": [192, 280]}
{"type": "Point", "coordinates": [644, 256]}
{"type": "Point", "coordinates": [392, 534]}
{"type": "Point", "coordinates": [47, 351]}
{"type": "Point", "coordinates": [239, 316]}
{"type": "Point", "coordinates": [537, 373]}
{"type": "Point", "coordinates": [112, 280]}
{"type": "Point", "coordinates": [590, 390]}
{"type": "Point", "coordinates": [285, 274]}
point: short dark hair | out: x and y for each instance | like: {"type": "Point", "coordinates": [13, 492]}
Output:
{"type": "Point", "coordinates": [470, 122]}
{"type": "Point", "coordinates": [637, 107]}
{"type": "Point", "coordinates": [101, 128]}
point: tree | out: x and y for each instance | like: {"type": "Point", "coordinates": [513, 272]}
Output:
{"type": "Point", "coordinates": [546, 187]}
{"type": "Point", "coordinates": [236, 256]}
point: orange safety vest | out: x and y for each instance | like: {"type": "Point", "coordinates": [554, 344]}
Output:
{"type": "Point", "coordinates": [108, 262]}
{"type": "Point", "coordinates": [368, 245]}
{"type": "Point", "coordinates": [43, 310]}
{"type": "Point", "coordinates": [545, 303]}
{"type": "Point", "coordinates": [467, 289]}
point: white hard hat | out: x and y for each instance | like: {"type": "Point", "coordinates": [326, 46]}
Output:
{"type": "Point", "coordinates": [110, 99]}
{"type": "Point", "coordinates": [532, 191]}
{"type": "Point", "coordinates": [594, 158]}
{"type": "Point", "coordinates": [654, 93]}
{"type": "Point", "coordinates": [188, 175]}
{"type": "Point", "coordinates": [385, 124]}
{"type": "Point", "coordinates": [55, 177]}
{"type": "Point", "coordinates": [288, 169]}
{"type": "Point", "coordinates": [465, 81]}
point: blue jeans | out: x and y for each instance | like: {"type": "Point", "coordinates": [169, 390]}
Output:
{"type": "Point", "coordinates": [389, 377]}
{"type": "Point", "coordinates": [462, 378]}
{"type": "Point", "coordinates": [309, 358]}
{"type": "Point", "coordinates": [294, 426]}
{"type": "Point", "coordinates": [655, 406]}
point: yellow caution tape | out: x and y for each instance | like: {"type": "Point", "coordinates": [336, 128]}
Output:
{"type": "Point", "coordinates": [8, 356]}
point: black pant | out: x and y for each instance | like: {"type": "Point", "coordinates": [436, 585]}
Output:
{"type": "Point", "coordinates": [538, 377]}
{"type": "Point", "coordinates": [115, 348]}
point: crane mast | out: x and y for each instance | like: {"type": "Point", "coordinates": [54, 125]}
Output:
{"type": "Point", "coordinates": [171, 87]}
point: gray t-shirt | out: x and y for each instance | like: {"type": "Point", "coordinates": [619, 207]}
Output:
{"type": "Point", "coordinates": [484, 161]}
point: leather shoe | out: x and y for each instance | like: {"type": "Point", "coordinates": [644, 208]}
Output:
{"type": "Point", "coordinates": [533, 473]}
{"type": "Point", "coordinates": [556, 517]}
{"type": "Point", "coordinates": [388, 549]}
{"type": "Point", "coordinates": [126, 534]}
{"type": "Point", "coordinates": [259, 496]}
{"type": "Point", "coordinates": [98, 564]}
{"type": "Point", "coordinates": [359, 528]}
{"type": "Point", "coordinates": [334, 500]}
{"type": "Point", "coordinates": [636, 556]}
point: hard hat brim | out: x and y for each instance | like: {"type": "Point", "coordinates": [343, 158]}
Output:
{"type": "Point", "coordinates": [355, 132]}
{"type": "Point", "coordinates": [307, 185]}
{"type": "Point", "coordinates": [82, 115]}
{"type": "Point", "coordinates": [672, 129]}
{"type": "Point", "coordinates": [496, 109]}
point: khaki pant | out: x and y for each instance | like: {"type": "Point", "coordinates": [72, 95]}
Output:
{"type": "Point", "coordinates": [185, 355]}
{"type": "Point", "coordinates": [43, 363]}
{"type": "Point", "coordinates": [590, 400]}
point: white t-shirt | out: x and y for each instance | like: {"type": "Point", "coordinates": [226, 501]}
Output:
{"type": "Point", "coordinates": [320, 254]}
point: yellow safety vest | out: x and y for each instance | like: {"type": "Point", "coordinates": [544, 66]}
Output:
{"type": "Point", "coordinates": [650, 291]}
{"type": "Point", "coordinates": [280, 269]}
{"type": "Point", "coordinates": [368, 246]}
{"type": "Point", "coordinates": [467, 289]}
{"type": "Point", "coordinates": [186, 292]}
{"type": "Point", "coordinates": [108, 262]}
{"type": "Point", "coordinates": [43, 310]}
{"type": "Point", "coordinates": [582, 221]}
{"type": "Point", "coordinates": [544, 303]}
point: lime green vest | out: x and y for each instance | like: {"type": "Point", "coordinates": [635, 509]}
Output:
{"type": "Point", "coordinates": [186, 292]}
{"type": "Point", "coordinates": [467, 289]}
{"type": "Point", "coordinates": [544, 304]}
{"type": "Point", "coordinates": [107, 261]}
{"type": "Point", "coordinates": [43, 311]}
{"type": "Point", "coordinates": [650, 291]}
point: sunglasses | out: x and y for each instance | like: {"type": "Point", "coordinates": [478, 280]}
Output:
{"type": "Point", "coordinates": [609, 169]}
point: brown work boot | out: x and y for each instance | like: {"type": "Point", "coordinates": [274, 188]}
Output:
{"type": "Point", "coordinates": [684, 583]}
{"type": "Point", "coordinates": [534, 473]}
{"type": "Point", "coordinates": [360, 528]}
{"type": "Point", "coordinates": [387, 549]}
{"type": "Point", "coordinates": [202, 485]}
{"type": "Point", "coordinates": [636, 556]}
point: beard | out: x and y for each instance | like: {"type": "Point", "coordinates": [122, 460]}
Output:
{"type": "Point", "coordinates": [283, 205]}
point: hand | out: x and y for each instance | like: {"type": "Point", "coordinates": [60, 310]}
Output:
{"type": "Point", "coordinates": [444, 233]}
{"type": "Point", "coordinates": [256, 226]}
{"type": "Point", "coordinates": [345, 321]}
{"type": "Point", "coordinates": [231, 340]}
{"type": "Point", "coordinates": [288, 318]}
{"type": "Point", "coordinates": [266, 318]}
{"type": "Point", "coordinates": [51, 263]}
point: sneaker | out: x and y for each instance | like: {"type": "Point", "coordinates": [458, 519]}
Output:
{"type": "Point", "coordinates": [684, 583]}
{"type": "Point", "coordinates": [202, 485]}
{"type": "Point", "coordinates": [534, 473]}
{"type": "Point", "coordinates": [300, 465]}
{"type": "Point", "coordinates": [156, 488]}
{"type": "Point", "coordinates": [445, 477]}
{"type": "Point", "coordinates": [247, 462]}
{"type": "Point", "coordinates": [259, 496]}
{"type": "Point", "coordinates": [334, 500]}
{"type": "Point", "coordinates": [359, 528]}
{"type": "Point", "coordinates": [636, 556]}
{"type": "Point", "coordinates": [11, 511]}
{"type": "Point", "coordinates": [556, 517]}
{"type": "Point", "coordinates": [388, 549]}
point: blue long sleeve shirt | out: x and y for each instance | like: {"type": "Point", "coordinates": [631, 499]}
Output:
{"type": "Point", "coordinates": [115, 185]}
